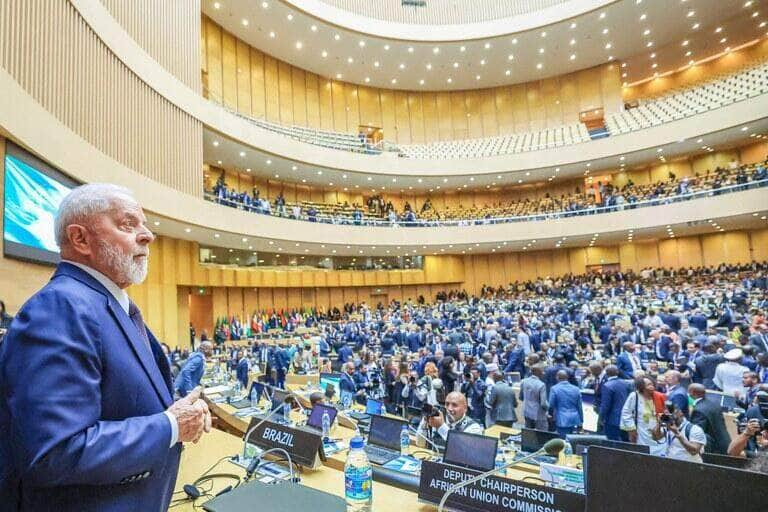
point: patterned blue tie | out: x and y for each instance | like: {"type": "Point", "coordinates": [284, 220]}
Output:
{"type": "Point", "coordinates": [138, 321]}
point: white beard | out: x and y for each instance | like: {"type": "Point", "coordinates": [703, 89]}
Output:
{"type": "Point", "coordinates": [126, 268]}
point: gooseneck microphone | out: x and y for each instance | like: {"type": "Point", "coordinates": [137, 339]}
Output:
{"type": "Point", "coordinates": [267, 417]}
{"type": "Point", "coordinates": [553, 447]}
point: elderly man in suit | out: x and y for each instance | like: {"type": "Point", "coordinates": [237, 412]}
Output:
{"type": "Point", "coordinates": [709, 417]}
{"type": "Point", "coordinates": [86, 398]}
{"type": "Point", "coordinates": [502, 401]}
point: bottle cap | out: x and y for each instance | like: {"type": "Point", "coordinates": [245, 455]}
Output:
{"type": "Point", "coordinates": [356, 443]}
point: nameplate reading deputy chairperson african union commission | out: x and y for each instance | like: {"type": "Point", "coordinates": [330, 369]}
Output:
{"type": "Point", "coordinates": [493, 494]}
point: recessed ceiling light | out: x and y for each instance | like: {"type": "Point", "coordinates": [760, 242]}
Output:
{"type": "Point", "coordinates": [514, 40]}
{"type": "Point", "coordinates": [436, 50]}
{"type": "Point", "coordinates": [242, 153]}
{"type": "Point", "coordinates": [482, 62]}
{"type": "Point", "coordinates": [463, 49]}
{"type": "Point", "coordinates": [299, 45]}
{"type": "Point", "coordinates": [573, 56]}
{"type": "Point", "coordinates": [573, 25]}
{"type": "Point", "coordinates": [723, 40]}
{"type": "Point", "coordinates": [429, 66]}
{"type": "Point", "coordinates": [685, 43]}
{"type": "Point", "coordinates": [245, 22]}
{"type": "Point", "coordinates": [361, 44]}
{"type": "Point", "coordinates": [277, 175]}
{"type": "Point", "coordinates": [602, 15]}
{"type": "Point", "coordinates": [762, 24]}
{"type": "Point", "coordinates": [646, 31]}
{"type": "Point", "coordinates": [608, 46]}
{"type": "Point", "coordinates": [477, 77]}
{"type": "Point", "coordinates": [290, 17]}
{"type": "Point", "coordinates": [394, 80]}
{"type": "Point", "coordinates": [313, 28]}
{"type": "Point", "coordinates": [718, 30]}
{"type": "Point", "coordinates": [691, 14]}
{"type": "Point", "coordinates": [386, 47]}
{"type": "Point", "coordinates": [605, 30]}
{"type": "Point", "coordinates": [455, 64]}
{"type": "Point", "coordinates": [216, 5]}
{"type": "Point", "coordinates": [747, 4]}
{"type": "Point", "coordinates": [350, 60]}
{"type": "Point", "coordinates": [653, 55]}
{"type": "Point", "coordinates": [487, 46]}
{"type": "Point", "coordinates": [573, 42]}
{"type": "Point", "coordinates": [539, 65]}
{"type": "Point", "coordinates": [272, 35]}
{"type": "Point", "coordinates": [688, 53]}
{"type": "Point", "coordinates": [369, 178]}
{"type": "Point", "coordinates": [449, 80]}
{"type": "Point", "coordinates": [654, 65]}
{"type": "Point", "coordinates": [541, 50]}
{"type": "Point", "coordinates": [218, 161]}
{"type": "Point", "coordinates": [215, 143]}
{"type": "Point", "coordinates": [319, 173]}
{"type": "Point", "coordinates": [649, 44]}
{"type": "Point", "coordinates": [188, 230]}
{"type": "Point", "coordinates": [401, 66]}
{"type": "Point", "coordinates": [376, 64]}
{"type": "Point", "coordinates": [643, 16]}
{"type": "Point", "coordinates": [755, 14]}
{"type": "Point", "coordinates": [421, 82]}
{"type": "Point", "coordinates": [156, 223]}
{"type": "Point", "coordinates": [338, 76]}
{"type": "Point", "coordinates": [367, 79]}
{"type": "Point", "coordinates": [508, 72]}
{"type": "Point", "coordinates": [264, 5]}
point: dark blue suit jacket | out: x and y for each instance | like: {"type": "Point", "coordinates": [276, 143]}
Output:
{"type": "Point", "coordinates": [81, 405]}
{"type": "Point", "coordinates": [242, 372]}
{"type": "Point", "coordinates": [625, 366]}
{"type": "Point", "coordinates": [613, 394]}
{"type": "Point", "coordinates": [190, 375]}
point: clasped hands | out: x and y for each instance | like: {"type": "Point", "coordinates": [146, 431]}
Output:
{"type": "Point", "coordinates": [192, 416]}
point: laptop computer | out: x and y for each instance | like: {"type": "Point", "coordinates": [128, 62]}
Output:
{"type": "Point", "coordinates": [532, 440]}
{"type": "Point", "coordinates": [724, 460]}
{"type": "Point", "coordinates": [372, 407]}
{"type": "Point", "coordinates": [473, 451]}
{"type": "Point", "coordinates": [384, 439]}
{"type": "Point", "coordinates": [315, 420]}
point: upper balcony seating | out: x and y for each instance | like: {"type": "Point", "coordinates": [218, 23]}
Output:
{"type": "Point", "coordinates": [685, 102]}
{"type": "Point", "coordinates": [671, 106]}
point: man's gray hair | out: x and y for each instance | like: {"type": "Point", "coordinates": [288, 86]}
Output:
{"type": "Point", "coordinates": [84, 202]}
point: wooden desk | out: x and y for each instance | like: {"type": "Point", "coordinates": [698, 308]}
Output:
{"type": "Point", "coordinates": [196, 458]}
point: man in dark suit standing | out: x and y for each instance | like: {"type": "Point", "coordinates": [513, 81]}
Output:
{"type": "Point", "coordinates": [709, 417]}
{"type": "Point", "coordinates": [614, 393]}
{"type": "Point", "coordinates": [86, 403]}
{"type": "Point", "coordinates": [707, 364]}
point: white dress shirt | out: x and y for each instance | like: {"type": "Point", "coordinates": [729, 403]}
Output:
{"type": "Point", "coordinates": [121, 296]}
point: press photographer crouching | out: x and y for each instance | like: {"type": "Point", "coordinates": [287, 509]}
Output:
{"type": "Point", "coordinates": [455, 418]}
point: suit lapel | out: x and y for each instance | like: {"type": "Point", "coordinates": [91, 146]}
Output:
{"type": "Point", "coordinates": [146, 358]}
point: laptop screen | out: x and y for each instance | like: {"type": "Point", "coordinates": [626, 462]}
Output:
{"type": "Point", "coordinates": [278, 398]}
{"type": "Point", "coordinates": [385, 432]}
{"type": "Point", "coordinates": [532, 439]}
{"type": "Point", "coordinates": [330, 378]}
{"type": "Point", "coordinates": [373, 406]}
{"type": "Point", "coordinates": [316, 416]}
{"type": "Point", "coordinates": [471, 450]}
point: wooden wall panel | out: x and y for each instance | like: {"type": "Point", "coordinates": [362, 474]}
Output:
{"type": "Point", "coordinates": [299, 97]}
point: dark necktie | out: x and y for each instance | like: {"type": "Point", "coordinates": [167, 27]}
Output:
{"type": "Point", "coordinates": [138, 321]}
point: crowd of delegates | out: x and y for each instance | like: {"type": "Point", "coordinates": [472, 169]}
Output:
{"type": "Point", "coordinates": [579, 202]}
{"type": "Point", "coordinates": [648, 346]}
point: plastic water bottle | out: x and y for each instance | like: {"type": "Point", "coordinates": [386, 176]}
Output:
{"type": "Point", "coordinates": [405, 440]}
{"type": "Point", "coordinates": [254, 397]}
{"type": "Point", "coordinates": [326, 426]}
{"type": "Point", "coordinates": [358, 478]}
{"type": "Point", "coordinates": [500, 463]}
{"type": "Point", "coordinates": [237, 388]}
{"type": "Point", "coordinates": [287, 412]}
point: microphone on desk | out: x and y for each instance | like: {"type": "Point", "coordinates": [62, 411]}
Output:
{"type": "Point", "coordinates": [553, 447]}
{"type": "Point", "coordinates": [421, 435]}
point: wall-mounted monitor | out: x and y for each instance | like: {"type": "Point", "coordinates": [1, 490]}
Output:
{"type": "Point", "coordinates": [33, 192]}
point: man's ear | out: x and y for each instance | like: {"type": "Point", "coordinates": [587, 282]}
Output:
{"type": "Point", "coordinates": [79, 239]}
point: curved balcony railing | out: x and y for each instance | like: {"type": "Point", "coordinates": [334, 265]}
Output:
{"type": "Point", "coordinates": [379, 222]}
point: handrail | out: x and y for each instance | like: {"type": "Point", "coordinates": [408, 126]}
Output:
{"type": "Point", "coordinates": [369, 221]}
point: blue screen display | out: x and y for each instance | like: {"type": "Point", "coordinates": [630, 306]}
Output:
{"type": "Point", "coordinates": [32, 198]}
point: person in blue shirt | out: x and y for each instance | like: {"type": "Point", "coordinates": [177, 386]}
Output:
{"type": "Point", "coordinates": [190, 375]}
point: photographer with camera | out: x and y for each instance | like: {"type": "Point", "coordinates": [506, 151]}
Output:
{"type": "Point", "coordinates": [454, 418]}
{"type": "Point", "coordinates": [753, 429]}
{"type": "Point", "coordinates": [683, 440]}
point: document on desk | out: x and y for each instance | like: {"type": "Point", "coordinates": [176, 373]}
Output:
{"type": "Point", "coordinates": [405, 464]}
{"type": "Point", "coordinates": [331, 447]}
{"type": "Point", "coordinates": [215, 390]}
